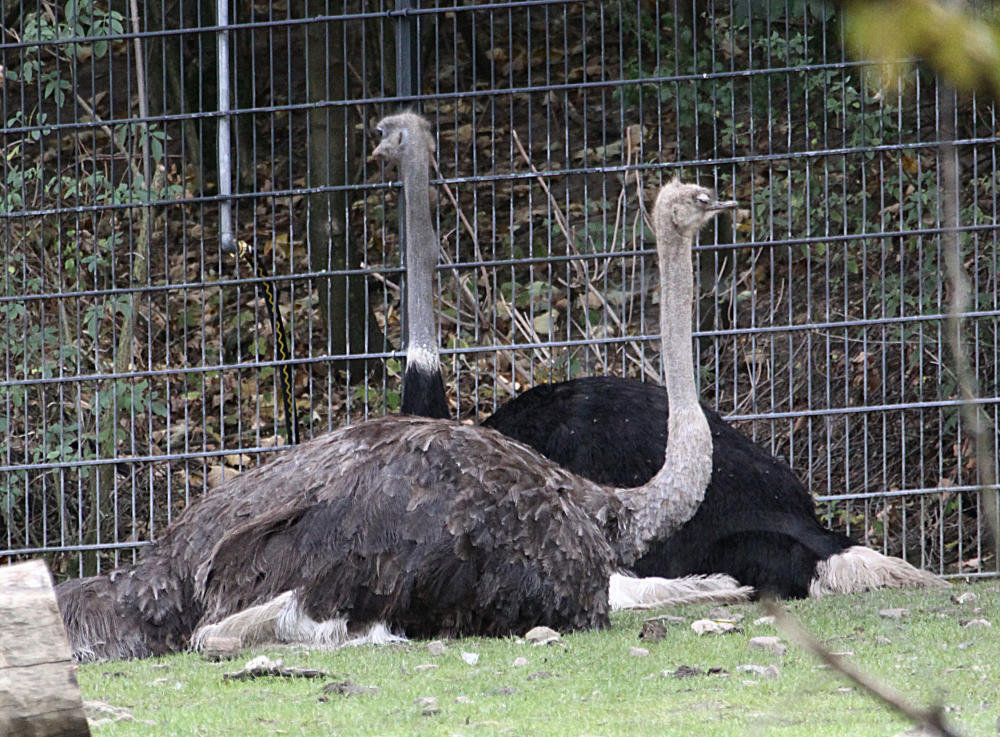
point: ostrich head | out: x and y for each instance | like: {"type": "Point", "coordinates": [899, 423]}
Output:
{"type": "Point", "coordinates": [403, 135]}
{"type": "Point", "coordinates": [684, 208]}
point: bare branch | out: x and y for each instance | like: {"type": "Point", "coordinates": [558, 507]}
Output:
{"type": "Point", "coordinates": [930, 718]}
{"type": "Point", "coordinates": [958, 305]}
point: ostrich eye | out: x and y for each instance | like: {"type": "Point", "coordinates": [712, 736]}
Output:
{"type": "Point", "coordinates": [380, 130]}
{"type": "Point", "coordinates": [703, 198]}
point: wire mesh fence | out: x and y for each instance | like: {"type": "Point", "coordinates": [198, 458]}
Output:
{"type": "Point", "coordinates": [139, 365]}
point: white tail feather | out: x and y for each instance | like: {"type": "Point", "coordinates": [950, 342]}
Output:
{"type": "Point", "coordinates": [253, 626]}
{"type": "Point", "coordinates": [628, 592]}
{"type": "Point", "coordinates": [861, 569]}
{"type": "Point", "coordinates": [281, 620]}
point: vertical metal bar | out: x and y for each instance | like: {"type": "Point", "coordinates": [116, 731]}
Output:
{"type": "Point", "coordinates": [225, 164]}
{"type": "Point", "coordinates": [407, 45]}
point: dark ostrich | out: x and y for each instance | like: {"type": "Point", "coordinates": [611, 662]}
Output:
{"type": "Point", "coordinates": [757, 522]}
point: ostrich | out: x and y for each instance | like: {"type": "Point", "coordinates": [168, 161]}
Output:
{"type": "Point", "coordinates": [150, 608]}
{"type": "Point", "coordinates": [432, 527]}
{"type": "Point", "coordinates": [757, 522]}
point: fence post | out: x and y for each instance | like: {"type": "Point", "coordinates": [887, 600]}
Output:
{"type": "Point", "coordinates": [224, 159]}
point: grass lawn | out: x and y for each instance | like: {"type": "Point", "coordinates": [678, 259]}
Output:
{"type": "Point", "coordinates": [592, 684]}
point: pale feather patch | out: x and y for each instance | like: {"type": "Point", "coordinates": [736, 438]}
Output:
{"type": "Point", "coordinates": [378, 634]}
{"type": "Point", "coordinates": [253, 626]}
{"type": "Point", "coordinates": [422, 357]}
{"type": "Point", "coordinates": [629, 592]}
{"type": "Point", "coordinates": [861, 569]}
{"type": "Point", "coordinates": [282, 620]}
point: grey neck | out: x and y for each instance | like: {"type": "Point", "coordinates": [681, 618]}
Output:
{"type": "Point", "coordinates": [421, 257]}
{"type": "Point", "coordinates": [673, 495]}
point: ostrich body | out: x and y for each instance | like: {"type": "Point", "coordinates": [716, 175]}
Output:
{"type": "Point", "coordinates": [428, 526]}
{"type": "Point", "coordinates": [757, 522]}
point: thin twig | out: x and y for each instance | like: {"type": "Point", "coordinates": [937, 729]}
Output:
{"type": "Point", "coordinates": [930, 718]}
{"type": "Point", "coordinates": [958, 286]}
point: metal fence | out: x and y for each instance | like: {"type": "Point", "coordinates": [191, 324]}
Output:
{"type": "Point", "coordinates": [138, 360]}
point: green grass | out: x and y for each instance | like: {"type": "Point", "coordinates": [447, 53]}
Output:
{"type": "Point", "coordinates": [596, 687]}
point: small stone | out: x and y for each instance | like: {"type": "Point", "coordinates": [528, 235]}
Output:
{"type": "Point", "coordinates": [965, 645]}
{"type": "Point", "coordinates": [436, 648]}
{"type": "Point", "coordinates": [424, 666]}
{"type": "Point", "coordinates": [541, 675]}
{"type": "Point", "coordinates": [638, 652]}
{"type": "Point", "coordinates": [263, 662]}
{"type": "Point", "coordinates": [966, 597]}
{"type": "Point", "coordinates": [348, 688]}
{"type": "Point", "coordinates": [684, 671]}
{"type": "Point", "coordinates": [463, 700]}
{"type": "Point", "coordinates": [770, 672]}
{"type": "Point", "coordinates": [541, 635]}
{"type": "Point", "coordinates": [718, 670]}
{"type": "Point", "coordinates": [712, 627]}
{"type": "Point", "coordinates": [772, 645]}
{"type": "Point", "coordinates": [470, 658]}
{"type": "Point", "coordinates": [975, 623]}
{"type": "Point", "coordinates": [769, 619]}
{"type": "Point", "coordinates": [897, 613]}
{"type": "Point", "coordinates": [917, 732]}
{"type": "Point", "coordinates": [845, 689]}
{"type": "Point", "coordinates": [520, 662]}
{"type": "Point", "coordinates": [721, 612]}
{"type": "Point", "coordinates": [425, 702]}
{"type": "Point", "coordinates": [655, 629]}
{"type": "Point", "coordinates": [882, 640]}
{"type": "Point", "coordinates": [429, 711]}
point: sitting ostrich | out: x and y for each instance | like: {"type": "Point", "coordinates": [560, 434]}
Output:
{"type": "Point", "coordinates": [757, 523]}
{"type": "Point", "coordinates": [425, 526]}
{"type": "Point", "coordinates": [432, 527]}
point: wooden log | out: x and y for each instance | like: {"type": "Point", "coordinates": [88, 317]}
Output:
{"type": "Point", "coordinates": [39, 695]}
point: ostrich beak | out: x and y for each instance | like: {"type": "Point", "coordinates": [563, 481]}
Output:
{"type": "Point", "coordinates": [720, 205]}
{"type": "Point", "coordinates": [378, 153]}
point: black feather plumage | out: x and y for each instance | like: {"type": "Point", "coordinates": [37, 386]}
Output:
{"type": "Point", "coordinates": [757, 522]}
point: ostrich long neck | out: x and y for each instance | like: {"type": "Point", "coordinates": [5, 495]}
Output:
{"type": "Point", "coordinates": [672, 497]}
{"type": "Point", "coordinates": [423, 389]}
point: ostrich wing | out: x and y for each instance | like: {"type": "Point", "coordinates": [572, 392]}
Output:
{"type": "Point", "coordinates": [431, 526]}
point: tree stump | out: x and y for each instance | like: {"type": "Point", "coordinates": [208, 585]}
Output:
{"type": "Point", "coordinates": [39, 695]}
